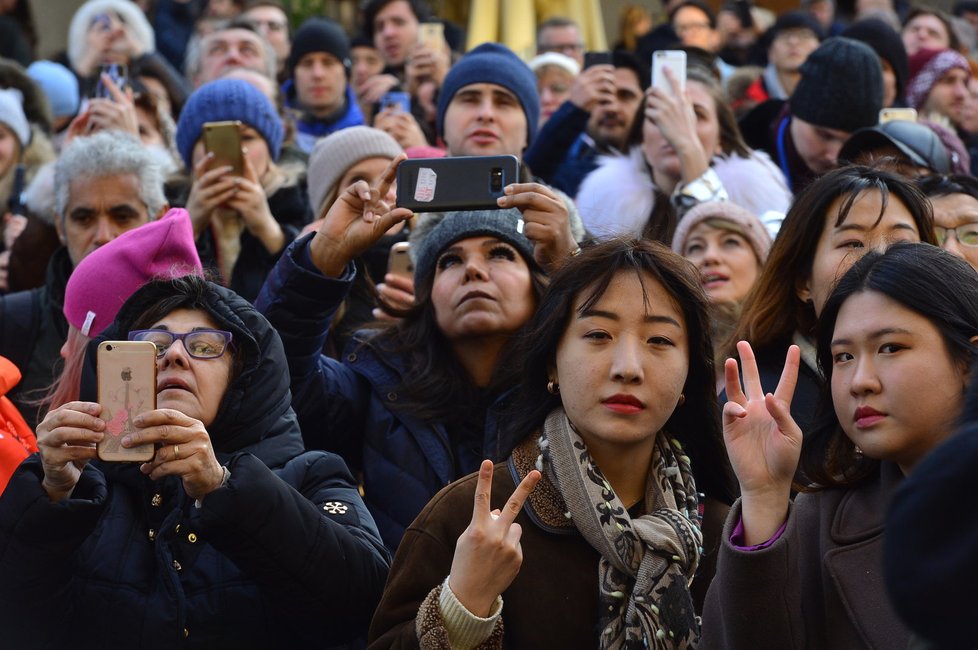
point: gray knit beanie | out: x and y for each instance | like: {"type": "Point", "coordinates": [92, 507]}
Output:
{"type": "Point", "coordinates": [505, 225]}
{"type": "Point", "coordinates": [339, 151]}
{"type": "Point", "coordinates": [841, 86]}
{"type": "Point", "coordinates": [757, 235]}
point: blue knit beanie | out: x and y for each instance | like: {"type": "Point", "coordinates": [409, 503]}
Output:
{"type": "Point", "coordinates": [228, 99]}
{"type": "Point", "coordinates": [494, 64]}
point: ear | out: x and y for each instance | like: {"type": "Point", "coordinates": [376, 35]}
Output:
{"type": "Point", "coordinates": [59, 228]}
{"type": "Point", "coordinates": [803, 289]}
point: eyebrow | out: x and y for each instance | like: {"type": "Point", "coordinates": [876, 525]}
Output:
{"type": "Point", "coordinates": [878, 334]}
{"type": "Point", "coordinates": [492, 241]}
{"type": "Point", "coordinates": [855, 226]}
{"type": "Point", "coordinates": [649, 318]}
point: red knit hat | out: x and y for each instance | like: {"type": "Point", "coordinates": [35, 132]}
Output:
{"type": "Point", "coordinates": [926, 69]}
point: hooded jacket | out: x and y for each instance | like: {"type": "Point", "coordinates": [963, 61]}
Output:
{"type": "Point", "coordinates": [284, 555]}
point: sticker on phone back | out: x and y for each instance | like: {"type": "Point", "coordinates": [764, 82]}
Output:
{"type": "Point", "coordinates": [424, 191]}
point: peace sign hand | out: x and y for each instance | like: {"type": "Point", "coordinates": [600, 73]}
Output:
{"type": "Point", "coordinates": [763, 441]}
{"type": "Point", "coordinates": [488, 554]}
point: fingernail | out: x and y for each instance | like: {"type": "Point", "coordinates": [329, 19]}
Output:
{"type": "Point", "coordinates": [138, 421]}
{"type": "Point", "coordinates": [502, 200]}
{"type": "Point", "coordinates": [126, 441]}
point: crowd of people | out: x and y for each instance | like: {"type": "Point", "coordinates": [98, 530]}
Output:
{"type": "Point", "coordinates": [698, 375]}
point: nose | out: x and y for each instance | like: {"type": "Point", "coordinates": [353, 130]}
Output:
{"type": "Point", "coordinates": [104, 231]}
{"type": "Point", "coordinates": [952, 245]}
{"type": "Point", "coordinates": [475, 268]}
{"type": "Point", "coordinates": [832, 151]}
{"type": "Point", "coordinates": [176, 354]}
{"type": "Point", "coordinates": [711, 254]}
{"type": "Point", "coordinates": [626, 364]}
{"type": "Point", "coordinates": [486, 110]}
{"type": "Point", "coordinates": [865, 380]}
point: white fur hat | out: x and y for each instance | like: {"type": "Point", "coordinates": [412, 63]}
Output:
{"type": "Point", "coordinates": [136, 24]}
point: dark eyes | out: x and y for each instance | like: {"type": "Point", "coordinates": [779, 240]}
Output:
{"type": "Point", "coordinates": [496, 252]}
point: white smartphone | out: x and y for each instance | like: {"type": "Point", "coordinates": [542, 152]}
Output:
{"type": "Point", "coordinates": [675, 61]}
{"type": "Point", "coordinates": [898, 114]}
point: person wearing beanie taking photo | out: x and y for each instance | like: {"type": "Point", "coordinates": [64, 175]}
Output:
{"type": "Point", "coordinates": [938, 85]}
{"type": "Point", "coordinates": [728, 245]}
{"type": "Point", "coordinates": [488, 106]}
{"type": "Point", "coordinates": [416, 403]}
{"type": "Point", "coordinates": [840, 91]}
{"type": "Point", "coordinates": [242, 222]}
{"type": "Point", "coordinates": [793, 37]}
{"type": "Point", "coordinates": [339, 160]}
{"type": "Point", "coordinates": [318, 92]}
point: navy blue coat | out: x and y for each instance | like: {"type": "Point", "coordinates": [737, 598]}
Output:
{"type": "Point", "coordinates": [348, 406]}
{"type": "Point", "coordinates": [285, 556]}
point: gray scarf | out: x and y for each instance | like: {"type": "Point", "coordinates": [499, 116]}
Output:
{"type": "Point", "coordinates": [646, 563]}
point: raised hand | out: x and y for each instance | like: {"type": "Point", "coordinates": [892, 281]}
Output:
{"type": "Point", "coordinates": [488, 554]}
{"type": "Point", "coordinates": [185, 450]}
{"type": "Point", "coordinates": [763, 441]}
{"type": "Point", "coordinates": [250, 201]}
{"type": "Point", "coordinates": [66, 440]}
{"type": "Point", "coordinates": [673, 113]}
{"type": "Point", "coordinates": [547, 221]}
{"type": "Point", "coordinates": [356, 221]}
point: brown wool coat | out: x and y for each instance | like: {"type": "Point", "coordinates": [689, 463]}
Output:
{"type": "Point", "coordinates": [552, 603]}
{"type": "Point", "coordinates": [820, 585]}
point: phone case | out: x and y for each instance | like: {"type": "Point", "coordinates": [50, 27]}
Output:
{"type": "Point", "coordinates": [597, 58]}
{"type": "Point", "coordinates": [401, 101]}
{"type": "Point", "coordinates": [675, 60]}
{"type": "Point", "coordinates": [399, 260]}
{"type": "Point", "coordinates": [223, 139]}
{"type": "Point", "coordinates": [450, 184]}
{"type": "Point", "coordinates": [119, 74]}
{"type": "Point", "coordinates": [431, 34]}
{"type": "Point", "coordinates": [126, 388]}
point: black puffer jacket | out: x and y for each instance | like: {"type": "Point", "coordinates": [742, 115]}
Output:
{"type": "Point", "coordinates": [285, 556]}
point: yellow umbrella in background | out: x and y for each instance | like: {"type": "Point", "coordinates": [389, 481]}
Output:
{"type": "Point", "coordinates": [514, 22]}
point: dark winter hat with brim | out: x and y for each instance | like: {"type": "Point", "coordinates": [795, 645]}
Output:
{"type": "Point", "coordinates": [916, 141]}
{"type": "Point", "coordinates": [841, 86]}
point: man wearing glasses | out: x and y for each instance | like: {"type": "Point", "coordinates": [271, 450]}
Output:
{"type": "Point", "coordinates": [271, 21]}
{"type": "Point", "coordinates": [561, 35]}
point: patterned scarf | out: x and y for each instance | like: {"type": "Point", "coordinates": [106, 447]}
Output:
{"type": "Point", "coordinates": [646, 563]}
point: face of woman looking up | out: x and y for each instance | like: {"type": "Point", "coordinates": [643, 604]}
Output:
{"type": "Point", "coordinates": [482, 287]}
{"type": "Point", "coordinates": [621, 365]}
{"type": "Point", "coordinates": [725, 260]}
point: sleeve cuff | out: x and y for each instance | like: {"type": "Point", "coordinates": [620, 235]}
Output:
{"type": "Point", "coordinates": [465, 629]}
{"type": "Point", "coordinates": [737, 537]}
{"type": "Point", "coordinates": [708, 187]}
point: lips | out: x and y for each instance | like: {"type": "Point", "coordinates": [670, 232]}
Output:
{"type": "Point", "coordinates": [474, 295]}
{"type": "Point", "coordinates": [867, 416]}
{"type": "Point", "coordinates": [622, 403]}
{"type": "Point", "coordinates": [483, 135]}
{"type": "Point", "coordinates": [171, 383]}
{"type": "Point", "coordinates": [711, 280]}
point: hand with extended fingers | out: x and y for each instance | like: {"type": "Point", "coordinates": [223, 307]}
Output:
{"type": "Point", "coordinates": [763, 441]}
{"type": "Point", "coordinates": [488, 554]}
{"type": "Point", "coordinates": [356, 221]}
{"type": "Point", "coordinates": [547, 221]}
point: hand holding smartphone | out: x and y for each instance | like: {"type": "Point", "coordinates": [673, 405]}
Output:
{"type": "Point", "coordinates": [126, 388]}
{"type": "Point", "coordinates": [223, 139]}
{"type": "Point", "coordinates": [119, 75]}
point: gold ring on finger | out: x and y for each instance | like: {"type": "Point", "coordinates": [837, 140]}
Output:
{"type": "Point", "coordinates": [176, 451]}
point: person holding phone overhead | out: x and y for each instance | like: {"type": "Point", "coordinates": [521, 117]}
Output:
{"type": "Point", "coordinates": [231, 536]}
{"type": "Point", "coordinates": [242, 222]}
{"type": "Point", "coordinates": [601, 538]}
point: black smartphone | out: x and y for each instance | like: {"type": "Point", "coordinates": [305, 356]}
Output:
{"type": "Point", "coordinates": [597, 58]}
{"type": "Point", "coordinates": [448, 184]}
{"type": "Point", "coordinates": [119, 75]}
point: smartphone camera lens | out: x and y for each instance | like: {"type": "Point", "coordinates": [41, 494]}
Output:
{"type": "Point", "coordinates": [496, 179]}
{"type": "Point", "coordinates": [109, 348]}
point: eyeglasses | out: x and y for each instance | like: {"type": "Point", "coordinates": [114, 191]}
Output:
{"type": "Point", "coordinates": [966, 234]}
{"type": "Point", "coordinates": [270, 25]}
{"type": "Point", "coordinates": [570, 49]}
{"type": "Point", "coordinates": [200, 344]}
{"type": "Point", "coordinates": [691, 27]}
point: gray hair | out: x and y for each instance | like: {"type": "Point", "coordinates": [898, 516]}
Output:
{"type": "Point", "coordinates": [192, 62]}
{"type": "Point", "coordinates": [104, 154]}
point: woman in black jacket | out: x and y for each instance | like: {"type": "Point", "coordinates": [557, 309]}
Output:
{"type": "Point", "coordinates": [231, 536]}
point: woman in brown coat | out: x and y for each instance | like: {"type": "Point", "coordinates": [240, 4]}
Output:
{"type": "Point", "coordinates": [618, 402]}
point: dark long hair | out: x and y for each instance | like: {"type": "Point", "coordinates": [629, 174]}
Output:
{"type": "Point", "coordinates": [772, 311]}
{"type": "Point", "coordinates": [925, 279]}
{"type": "Point", "coordinates": [696, 424]}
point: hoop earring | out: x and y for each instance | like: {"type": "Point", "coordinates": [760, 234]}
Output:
{"type": "Point", "coordinates": [682, 399]}
{"type": "Point", "coordinates": [553, 387]}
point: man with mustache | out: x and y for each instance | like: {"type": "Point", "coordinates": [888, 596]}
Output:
{"type": "Point", "coordinates": [595, 120]}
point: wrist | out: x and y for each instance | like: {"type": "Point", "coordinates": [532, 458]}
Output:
{"type": "Point", "coordinates": [476, 605]}
{"type": "Point", "coordinates": [762, 514]}
{"type": "Point", "coordinates": [325, 256]}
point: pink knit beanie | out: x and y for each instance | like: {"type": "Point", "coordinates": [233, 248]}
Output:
{"type": "Point", "coordinates": [757, 235]}
{"type": "Point", "coordinates": [105, 279]}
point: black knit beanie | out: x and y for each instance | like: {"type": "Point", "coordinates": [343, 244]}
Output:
{"type": "Point", "coordinates": [841, 86]}
{"type": "Point", "coordinates": [887, 44]}
{"type": "Point", "coordinates": [319, 35]}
